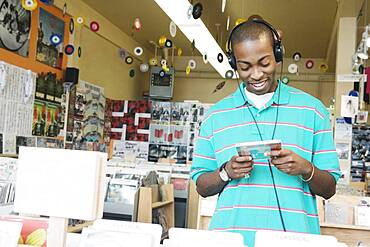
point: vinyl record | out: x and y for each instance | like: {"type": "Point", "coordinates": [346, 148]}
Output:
{"type": "Point", "coordinates": [79, 51]}
{"type": "Point", "coordinates": [205, 58]}
{"type": "Point", "coordinates": [55, 39]}
{"type": "Point", "coordinates": [64, 9]}
{"type": "Point", "coordinates": [71, 26]}
{"type": "Point", "coordinates": [80, 20]}
{"type": "Point", "coordinates": [132, 73]}
{"type": "Point", "coordinates": [197, 10]}
{"type": "Point", "coordinates": [293, 68]}
{"type": "Point", "coordinates": [220, 58]}
{"type": "Point", "coordinates": [69, 49]}
{"type": "Point", "coordinates": [122, 53]}
{"type": "Point", "coordinates": [223, 6]}
{"type": "Point", "coordinates": [190, 12]}
{"type": "Point", "coordinates": [162, 73]}
{"type": "Point", "coordinates": [137, 24]}
{"type": "Point", "coordinates": [47, 2]}
{"type": "Point", "coordinates": [162, 40]}
{"type": "Point", "coordinates": [192, 64]}
{"type": "Point", "coordinates": [193, 45]}
{"type": "Point", "coordinates": [309, 64]}
{"type": "Point", "coordinates": [163, 62]}
{"type": "Point", "coordinates": [179, 52]}
{"type": "Point", "coordinates": [168, 43]}
{"type": "Point", "coordinates": [285, 79]}
{"type": "Point", "coordinates": [153, 61]}
{"type": "Point", "coordinates": [229, 74]}
{"type": "Point", "coordinates": [297, 56]}
{"type": "Point", "coordinates": [138, 51]}
{"type": "Point", "coordinates": [240, 20]}
{"type": "Point", "coordinates": [144, 67]}
{"type": "Point", "coordinates": [228, 23]}
{"type": "Point", "coordinates": [129, 60]}
{"type": "Point", "coordinates": [187, 70]}
{"type": "Point", "coordinates": [323, 67]}
{"type": "Point", "coordinates": [94, 26]}
{"type": "Point", "coordinates": [173, 29]}
{"type": "Point", "coordinates": [29, 5]}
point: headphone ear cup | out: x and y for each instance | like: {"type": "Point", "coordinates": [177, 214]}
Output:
{"type": "Point", "coordinates": [231, 59]}
{"type": "Point", "coordinates": [278, 51]}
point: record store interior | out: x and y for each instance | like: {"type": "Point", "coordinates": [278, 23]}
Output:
{"type": "Point", "coordinates": [240, 123]}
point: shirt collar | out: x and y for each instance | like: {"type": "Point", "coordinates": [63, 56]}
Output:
{"type": "Point", "coordinates": [241, 99]}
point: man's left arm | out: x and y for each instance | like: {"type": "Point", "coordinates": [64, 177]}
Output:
{"type": "Point", "coordinates": [321, 182]}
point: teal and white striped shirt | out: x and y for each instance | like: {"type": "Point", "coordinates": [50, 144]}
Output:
{"type": "Point", "coordinates": [249, 204]}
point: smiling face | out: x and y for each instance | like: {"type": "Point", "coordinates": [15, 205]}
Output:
{"type": "Point", "coordinates": [256, 64]}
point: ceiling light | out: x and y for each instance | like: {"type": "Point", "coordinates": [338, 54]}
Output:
{"type": "Point", "coordinates": [194, 29]}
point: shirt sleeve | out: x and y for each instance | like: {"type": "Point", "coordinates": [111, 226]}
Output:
{"type": "Point", "coordinates": [204, 159]}
{"type": "Point", "coordinates": [324, 154]}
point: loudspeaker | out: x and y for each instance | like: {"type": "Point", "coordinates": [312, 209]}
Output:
{"type": "Point", "coordinates": [71, 75]}
{"type": "Point", "coordinates": [277, 46]}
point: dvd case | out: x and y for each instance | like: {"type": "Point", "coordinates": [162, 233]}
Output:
{"type": "Point", "coordinates": [258, 149]}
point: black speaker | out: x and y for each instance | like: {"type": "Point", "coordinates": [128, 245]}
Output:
{"type": "Point", "coordinates": [71, 75]}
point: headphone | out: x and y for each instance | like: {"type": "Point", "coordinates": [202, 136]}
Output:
{"type": "Point", "coordinates": [277, 46]}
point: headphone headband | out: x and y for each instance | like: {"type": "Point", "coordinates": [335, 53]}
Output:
{"type": "Point", "coordinates": [277, 46]}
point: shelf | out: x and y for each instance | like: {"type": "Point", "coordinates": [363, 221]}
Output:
{"type": "Point", "coordinates": [352, 227]}
{"type": "Point", "coordinates": [78, 228]}
{"type": "Point", "coordinates": [161, 204]}
{"type": "Point", "coordinates": [9, 155]}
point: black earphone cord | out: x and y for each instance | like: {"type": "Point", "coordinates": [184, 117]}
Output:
{"type": "Point", "coordinates": [273, 135]}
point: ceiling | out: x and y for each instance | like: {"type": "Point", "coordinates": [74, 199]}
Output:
{"type": "Point", "coordinates": [306, 25]}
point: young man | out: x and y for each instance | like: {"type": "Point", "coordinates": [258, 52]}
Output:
{"type": "Point", "coordinates": [277, 193]}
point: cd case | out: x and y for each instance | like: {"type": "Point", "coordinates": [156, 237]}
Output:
{"type": "Point", "coordinates": [258, 149]}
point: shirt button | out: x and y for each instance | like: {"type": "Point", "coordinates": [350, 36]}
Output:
{"type": "Point", "coordinates": [258, 115]}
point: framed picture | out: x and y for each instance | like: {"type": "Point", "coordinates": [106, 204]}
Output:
{"type": "Point", "coordinates": [15, 25]}
{"type": "Point", "coordinates": [48, 52]}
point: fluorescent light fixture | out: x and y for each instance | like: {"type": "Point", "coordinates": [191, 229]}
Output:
{"type": "Point", "coordinates": [193, 29]}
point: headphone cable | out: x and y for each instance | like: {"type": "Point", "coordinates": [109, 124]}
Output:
{"type": "Point", "coordinates": [273, 135]}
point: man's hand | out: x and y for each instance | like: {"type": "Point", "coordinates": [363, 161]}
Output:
{"type": "Point", "coordinates": [290, 163]}
{"type": "Point", "coordinates": [239, 166]}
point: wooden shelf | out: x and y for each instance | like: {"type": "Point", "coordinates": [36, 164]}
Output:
{"type": "Point", "coordinates": [9, 155]}
{"type": "Point", "coordinates": [161, 204]}
{"type": "Point", "coordinates": [78, 228]}
{"type": "Point", "coordinates": [147, 202]}
{"type": "Point", "coordinates": [353, 227]}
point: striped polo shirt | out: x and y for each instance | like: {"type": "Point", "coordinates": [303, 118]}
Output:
{"type": "Point", "coordinates": [249, 204]}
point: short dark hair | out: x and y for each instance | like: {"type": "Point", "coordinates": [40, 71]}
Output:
{"type": "Point", "coordinates": [250, 30]}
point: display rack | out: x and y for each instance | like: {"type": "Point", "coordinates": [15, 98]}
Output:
{"type": "Point", "coordinates": [78, 228]}
{"type": "Point", "coordinates": [199, 216]}
{"type": "Point", "coordinates": [148, 200]}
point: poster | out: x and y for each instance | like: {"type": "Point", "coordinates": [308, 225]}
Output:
{"type": "Point", "coordinates": [88, 118]}
{"type": "Point", "coordinates": [130, 120]}
{"type": "Point", "coordinates": [9, 145]}
{"type": "Point", "coordinates": [25, 141]}
{"type": "Point", "coordinates": [130, 151]}
{"type": "Point", "coordinates": [343, 130]}
{"type": "Point", "coordinates": [15, 23]}
{"type": "Point", "coordinates": [47, 52]}
{"type": "Point", "coordinates": [343, 151]}
{"type": "Point", "coordinates": [349, 106]}
{"type": "Point", "coordinates": [16, 106]}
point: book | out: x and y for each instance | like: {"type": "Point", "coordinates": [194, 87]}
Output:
{"type": "Point", "coordinates": [258, 149]}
